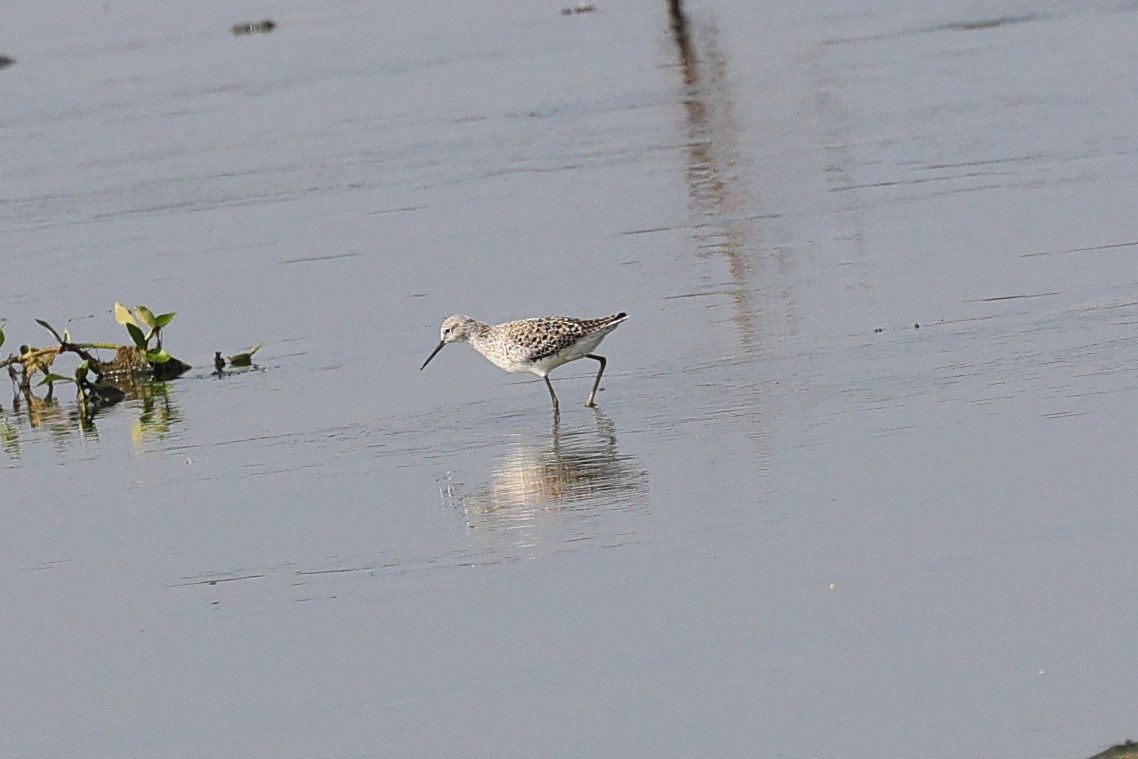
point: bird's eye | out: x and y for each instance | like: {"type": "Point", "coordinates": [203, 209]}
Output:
{"type": "Point", "coordinates": [446, 331]}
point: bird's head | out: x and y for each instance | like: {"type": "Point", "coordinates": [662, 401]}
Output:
{"type": "Point", "coordinates": [455, 329]}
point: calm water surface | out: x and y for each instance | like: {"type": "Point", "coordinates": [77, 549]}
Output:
{"type": "Point", "coordinates": [859, 482]}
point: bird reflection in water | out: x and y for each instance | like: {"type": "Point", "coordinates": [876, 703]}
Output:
{"type": "Point", "coordinates": [544, 495]}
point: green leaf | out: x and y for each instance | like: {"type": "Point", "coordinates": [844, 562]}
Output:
{"type": "Point", "coordinates": [122, 315]}
{"type": "Point", "coordinates": [163, 319]}
{"type": "Point", "coordinates": [136, 335]}
{"type": "Point", "coordinates": [244, 359]}
{"type": "Point", "coordinates": [1, 333]}
{"type": "Point", "coordinates": [50, 329]}
{"type": "Point", "coordinates": [157, 357]}
{"type": "Point", "coordinates": [52, 377]}
{"type": "Point", "coordinates": [146, 317]}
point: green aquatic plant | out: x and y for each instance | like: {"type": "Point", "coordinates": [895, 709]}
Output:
{"type": "Point", "coordinates": [145, 330]}
{"type": "Point", "coordinates": [143, 359]}
{"type": "Point", "coordinates": [153, 324]}
{"type": "Point", "coordinates": [134, 369]}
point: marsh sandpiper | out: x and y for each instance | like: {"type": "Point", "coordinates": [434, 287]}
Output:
{"type": "Point", "coordinates": [537, 345]}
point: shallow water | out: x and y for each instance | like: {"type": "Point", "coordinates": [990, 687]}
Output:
{"type": "Point", "coordinates": [859, 478]}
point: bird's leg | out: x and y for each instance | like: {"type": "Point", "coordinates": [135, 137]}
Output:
{"type": "Point", "coordinates": [597, 383]}
{"type": "Point", "coordinates": [552, 395]}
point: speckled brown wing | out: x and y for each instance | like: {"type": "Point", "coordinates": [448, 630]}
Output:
{"type": "Point", "coordinates": [544, 336]}
{"type": "Point", "coordinates": [553, 334]}
{"type": "Point", "coordinates": [594, 325]}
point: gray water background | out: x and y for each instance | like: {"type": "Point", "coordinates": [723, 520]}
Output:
{"type": "Point", "coordinates": [796, 525]}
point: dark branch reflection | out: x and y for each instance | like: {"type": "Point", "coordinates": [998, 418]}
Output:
{"type": "Point", "coordinates": [155, 416]}
{"type": "Point", "coordinates": [719, 213]}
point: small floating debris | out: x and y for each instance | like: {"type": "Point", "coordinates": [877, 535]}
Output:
{"type": "Point", "coordinates": [246, 358]}
{"type": "Point", "coordinates": [236, 360]}
{"type": "Point", "coordinates": [1127, 750]}
{"type": "Point", "coordinates": [264, 26]}
{"type": "Point", "coordinates": [579, 8]}
{"type": "Point", "coordinates": [6, 61]}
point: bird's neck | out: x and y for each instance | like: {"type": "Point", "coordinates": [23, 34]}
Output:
{"type": "Point", "coordinates": [477, 333]}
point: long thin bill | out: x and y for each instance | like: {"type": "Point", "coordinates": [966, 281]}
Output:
{"type": "Point", "coordinates": [438, 348]}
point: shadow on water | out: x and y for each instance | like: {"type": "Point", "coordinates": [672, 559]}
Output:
{"type": "Point", "coordinates": [544, 494]}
